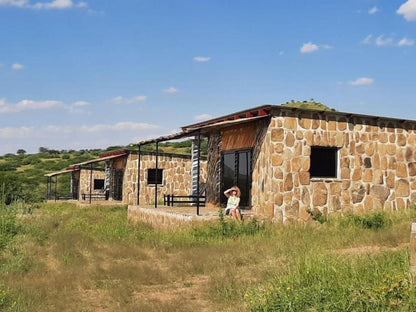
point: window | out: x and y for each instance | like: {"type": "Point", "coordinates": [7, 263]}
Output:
{"type": "Point", "coordinates": [98, 184]}
{"type": "Point", "coordinates": [152, 178]}
{"type": "Point", "coordinates": [323, 162]}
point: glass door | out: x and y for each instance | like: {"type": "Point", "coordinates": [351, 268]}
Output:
{"type": "Point", "coordinates": [236, 170]}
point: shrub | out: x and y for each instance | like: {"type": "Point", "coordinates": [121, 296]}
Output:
{"type": "Point", "coordinates": [373, 221]}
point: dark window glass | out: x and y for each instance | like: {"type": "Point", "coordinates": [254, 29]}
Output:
{"type": "Point", "coordinates": [323, 162]}
{"type": "Point", "coordinates": [98, 184]}
{"type": "Point", "coordinates": [152, 178]}
{"type": "Point", "coordinates": [236, 170]}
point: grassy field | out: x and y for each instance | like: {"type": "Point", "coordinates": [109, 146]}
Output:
{"type": "Point", "coordinates": [67, 258]}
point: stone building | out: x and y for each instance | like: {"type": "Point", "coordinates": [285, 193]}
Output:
{"type": "Point", "coordinates": [114, 177]}
{"type": "Point", "coordinates": [289, 162]}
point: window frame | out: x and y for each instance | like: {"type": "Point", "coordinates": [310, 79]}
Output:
{"type": "Point", "coordinates": [155, 175]}
{"type": "Point", "coordinates": [334, 163]}
{"type": "Point", "coordinates": [95, 188]}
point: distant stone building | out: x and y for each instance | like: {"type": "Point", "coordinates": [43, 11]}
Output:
{"type": "Point", "coordinates": [114, 177]}
{"type": "Point", "coordinates": [288, 161]}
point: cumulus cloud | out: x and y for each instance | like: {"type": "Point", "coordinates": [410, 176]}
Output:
{"type": "Point", "coordinates": [367, 40]}
{"type": "Point", "coordinates": [15, 3]}
{"type": "Point", "coordinates": [202, 58]}
{"type": "Point", "coordinates": [120, 126]}
{"type": "Point", "coordinates": [33, 132]}
{"type": "Point", "coordinates": [51, 5]}
{"type": "Point", "coordinates": [6, 108]}
{"type": "Point", "coordinates": [131, 100]}
{"type": "Point", "coordinates": [80, 103]}
{"type": "Point", "coordinates": [363, 81]}
{"type": "Point", "coordinates": [309, 47]}
{"type": "Point", "coordinates": [171, 90]}
{"type": "Point", "coordinates": [383, 41]}
{"type": "Point", "coordinates": [202, 117]}
{"type": "Point", "coordinates": [17, 66]}
{"type": "Point", "coordinates": [406, 42]}
{"type": "Point", "coordinates": [408, 10]}
{"type": "Point", "coordinates": [373, 10]}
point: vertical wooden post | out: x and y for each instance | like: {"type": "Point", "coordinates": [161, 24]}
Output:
{"type": "Point", "coordinates": [157, 169]}
{"type": "Point", "coordinates": [90, 182]}
{"type": "Point", "coordinates": [138, 173]}
{"type": "Point", "coordinates": [413, 251]}
{"type": "Point", "coordinates": [198, 170]}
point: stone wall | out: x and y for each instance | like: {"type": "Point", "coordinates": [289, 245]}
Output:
{"type": "Point", "coordinates": [376, 165]}
{"type": "Point", "coordinates": [84, 180]}
{"type": "Point", "coordinates": [176, 177]}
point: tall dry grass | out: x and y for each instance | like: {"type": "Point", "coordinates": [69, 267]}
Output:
{"type": "Point", "coordinates": [66, 258]}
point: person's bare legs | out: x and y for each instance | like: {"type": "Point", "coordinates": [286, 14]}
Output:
{"type": "Point", "coordinates": [238, 214]}
{"type": "Point", "coordinates": [235, 213]}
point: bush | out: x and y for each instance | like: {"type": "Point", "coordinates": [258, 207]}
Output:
{"type": "Point", "coordinates": [373, 221]}
{"type": "Point", "coordinates": [8, 227]}
{"type": "Point", "coordinates": [228, 229]}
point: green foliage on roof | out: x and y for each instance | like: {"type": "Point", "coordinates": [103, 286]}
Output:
{"type": "Point", "coordinates": [311, 104]}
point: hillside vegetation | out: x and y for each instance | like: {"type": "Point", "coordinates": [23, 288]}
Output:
{"type": "Point", "coordinates": [67, 258]}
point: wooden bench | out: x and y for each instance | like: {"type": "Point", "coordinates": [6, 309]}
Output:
{"type": "Point", "coordinates": [171, 199]}
{"type": "Point", "coordinates": [93, 196]}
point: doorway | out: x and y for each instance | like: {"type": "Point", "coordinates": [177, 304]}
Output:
{"type": "Point", "coordinates": [236, 170]}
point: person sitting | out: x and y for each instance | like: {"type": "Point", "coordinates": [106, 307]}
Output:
{"type": "Point", "coordinates": [233, 202]}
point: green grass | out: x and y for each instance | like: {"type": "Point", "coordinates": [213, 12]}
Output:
{"type": "Point", "coordinates": [65, 258]}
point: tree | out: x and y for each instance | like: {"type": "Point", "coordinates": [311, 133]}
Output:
{"type": "Point", "coordinates": [43, 149]}
{"type": "Point", "coordinates": [21, 151]}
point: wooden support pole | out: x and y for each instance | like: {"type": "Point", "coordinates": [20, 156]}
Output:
{"type": "Point", "coordinates": [139, 152]}
{"type": "Point", "coordinates": [413, 251]}
{"type": "Point", "coordinates": [157, 169]}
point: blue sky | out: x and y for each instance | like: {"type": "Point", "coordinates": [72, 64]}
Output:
{"type": "Point", "coordinates": [92, 74]}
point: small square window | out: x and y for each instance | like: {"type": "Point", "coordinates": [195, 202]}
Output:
{"type": "Point", "coordinates": [323, 162]}
{"type": "Point", "coordinates": [98, 184]}
{"type": "Point", "coordinates": [152, 178]}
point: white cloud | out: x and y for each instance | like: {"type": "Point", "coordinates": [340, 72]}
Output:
{"type": "Point", "coordinates": [367, 40]}
{"type": "Point", "coordinates": [202, 58]}
{"type": "Point", "coordinates": [384, 41]}
{"type": "Point", "coordinates": [408, 10]}
{"type": "Point", "coordinates": [6, 108]}
{"type": "Point", "coordinates": [15, 3]}
{"type": "Point", "coordinates": [373, 10]}
{"type": "Point", "coordinates": [363, 81]}
{"type": "Point", "coordinates": [132, 100]}
{"type": "Point", "coordinates": [281, 52]}
{"type": "Point", "coordinates": [82, 4]}
{"type": "Point", "coordinates": [121, 126]}
{"type": "Point", "coordinates": [309, 47]}
{"type": "Point", "coordinates": [17, 66]}
{"type": "Point", "coordinates": [202, 117]}
{"type": "Point", "coordinates": [80, 104]}
{"type": "Point", "coordinates": [171, 90]}
{"type": "Point", "coordinates": [55, 4]}
{"type": "Point", "coordinates": [406, 42]}
{"type": "Point", "coordinates": [51, 5]}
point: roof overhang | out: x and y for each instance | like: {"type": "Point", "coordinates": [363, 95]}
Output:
{"type": "Point", "coordinates": [67, 170]}
{"type": "Point", "coordinates": [102, 158]}
{"type": "Point", "coordinates": [260, 111]}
